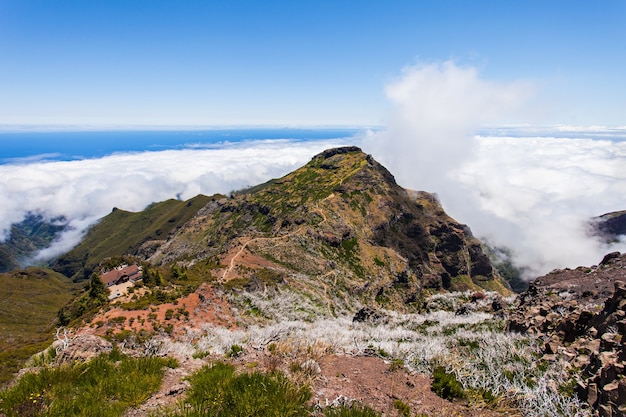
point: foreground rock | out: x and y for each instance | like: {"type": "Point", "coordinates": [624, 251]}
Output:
{"type": "Point", "coordinates": [581, 316]}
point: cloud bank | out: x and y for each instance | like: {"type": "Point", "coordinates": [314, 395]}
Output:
{"type": "Point", "coordinates": [86, 190]}
{"type": "Point", "coordinates": [533, 195]}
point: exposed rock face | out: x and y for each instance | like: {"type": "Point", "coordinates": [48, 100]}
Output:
{"type": "Point", "coordinates": [611, 225]}
{"type": "Point", "coordinates": [581, 315]}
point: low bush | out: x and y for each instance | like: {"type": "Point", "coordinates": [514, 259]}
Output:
{"type": "Point", "coordinates": [403, 408]}
{"type": "Point", "coordinates": [446, 385]}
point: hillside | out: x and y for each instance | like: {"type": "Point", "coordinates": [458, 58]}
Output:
{"type": "Point", "coordinates": [26, 238]}
{"type": "Point", "coordinates": [29, 302]}
{"type": "Point", "coordinates": [581, 315]}
{"type": "Point", "coordinates": [123, 232]}
{"type": "Point", "coordinates": [610, 226]}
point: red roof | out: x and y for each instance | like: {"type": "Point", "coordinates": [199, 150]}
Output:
{"type": "Point", "coordinates": [111, 277]}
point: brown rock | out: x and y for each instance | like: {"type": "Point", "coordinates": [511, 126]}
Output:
{"type": "Point", "coordinates": [608, 374]}
{"type": "Point", "coordinates": [609, 341]}
{"type": "Point", "coordinates": [621, 392]}
{"type": "Point", "coordinates": [581, 361]}
{"type": "Point", "coordinates": [592, 394]}
{"type": "Point", "coordinates": [611, 391]}
{"type": "Point", "coordinates": [552, 347]}
{"type": "Point", "coordinates": [581, 390]}
{"type": "Point", "coordinates": [605, 410]}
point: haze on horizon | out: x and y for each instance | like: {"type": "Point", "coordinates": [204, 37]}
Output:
{"type": "Point", "coordinates": [431, 74]}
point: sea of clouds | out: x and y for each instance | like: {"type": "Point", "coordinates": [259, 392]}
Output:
{"type": "Point", "coordinates": [85, 190]}
{"type": "Point", "coordinates": [531, 189]}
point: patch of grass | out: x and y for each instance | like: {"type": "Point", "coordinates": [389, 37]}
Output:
{"type": "Point", "coordinates": [396, 364]}
{"type": "Point", "coordinates": [446, 385]}
{"type": "Point", "coordinates": [234, 351]}
{"type": "Point", "coordinates": [105, 386]}
{"type": "Point", "coordinates": [252, 279]}
{"type": "Point", "coordinates": [217, 390]}
{"type": "Point", "coordinates": [157, 296]}
{"type": "Point", "coordinates": [403, 408]}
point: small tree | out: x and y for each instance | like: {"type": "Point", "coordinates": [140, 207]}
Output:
{"type": "Point", "coordinates": [179, 273]}
{"type": "Point", "coordinates": [152, 277]}
{"type": "Point", "coordinates": [97, 290]}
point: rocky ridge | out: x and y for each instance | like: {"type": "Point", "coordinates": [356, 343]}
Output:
{"type": "Point", "coordinates": [581, 316]}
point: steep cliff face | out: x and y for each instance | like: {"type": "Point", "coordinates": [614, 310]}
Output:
{"type": "Point", "coordinates": [340, 223]}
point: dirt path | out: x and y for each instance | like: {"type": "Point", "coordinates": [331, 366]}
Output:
{"type": "Point", "coordinates": [374, 382]}
{"type": "Point", "coordinates": [241, 250]}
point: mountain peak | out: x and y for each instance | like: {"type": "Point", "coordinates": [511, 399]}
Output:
{"type": "Point", "coordinates": [341, 222]}
{"type": "Point", "coordinates": [337, 151]}
{"type": "Point", "coordinates": [336, 235]}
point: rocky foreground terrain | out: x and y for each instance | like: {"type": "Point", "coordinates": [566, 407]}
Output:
{"type": "Point", "coordinates": [580, 314]}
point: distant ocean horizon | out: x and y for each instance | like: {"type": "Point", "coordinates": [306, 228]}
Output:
{"type": "Point", "coordinates": [28, 146]}
{"type": "Point", "coordinates": [36, 146]}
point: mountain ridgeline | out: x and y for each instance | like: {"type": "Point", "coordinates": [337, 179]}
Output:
{"type": "Point", "coordinates": [339, 228]}
{"type": "Point", "coordinates": [126, 233]}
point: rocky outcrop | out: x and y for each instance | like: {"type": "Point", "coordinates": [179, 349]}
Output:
{"type": "Point", "coordinates": [610, 226]}
{"type": "Point", "coordinates": [581, 316]}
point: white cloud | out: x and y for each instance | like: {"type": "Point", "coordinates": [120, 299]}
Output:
{"type": "Point", "coordinates": [86, 190]}
{"type": "Point", "coordinates": [547, 189]}
{"type": "Point", "coordinates": [533, 195]}
{"type": "Point", "coordinates": [436, 109]}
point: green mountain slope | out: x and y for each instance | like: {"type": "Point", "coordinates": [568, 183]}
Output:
{"type": "Point", "coordinates": [123, 232]}
{"type": "Point", "coordinates": [26, 238]}
{"type": "Point", "coordinates": [341, 231]}
{"type": "Point", "coordinates": [29, 302]}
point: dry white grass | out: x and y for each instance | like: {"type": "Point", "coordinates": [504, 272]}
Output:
{"type": "Point", "coordinates": [473, 346]}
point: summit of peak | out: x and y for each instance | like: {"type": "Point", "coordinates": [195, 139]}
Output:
{"type": "Point", "coordinates": [337, 151]}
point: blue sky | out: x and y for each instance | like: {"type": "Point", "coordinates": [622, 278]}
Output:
{"type": "Point", "coordinates": [295, 62]}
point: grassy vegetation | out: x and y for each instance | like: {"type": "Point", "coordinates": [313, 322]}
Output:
{"type": "Point", "coordinates": [471, 355]}
{"type": "Point", "coordinates": [105, 386]}
{"type": "Point", "coordinates": [446, 385]}
{"type": "Point", "coordinates": [251, 279]}
{"type": "Point", "coordinates": [313, 182]}
{"type": "Point", "coordinates": [353, 410]}
{"type": "Point", "coordinates": [29, 301]}
{"type": "Point", "coordinates": [122, 232]}
{"type": "Point", "coordinates": [218, 391]}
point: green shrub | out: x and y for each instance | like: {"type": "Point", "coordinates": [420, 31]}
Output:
{"type": "Point", "coordinates": [105, 386]}
{"type": "Point", "coordinates": [234, 351]}
{"type": "Point", "coordinates": [217, 391]}
{"type": "Point", "coordinates": [446, 385]}
{"type": "Point", "coordinates": [402, 407]}
{"type": "Point", "coordinates": [396, 365]}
